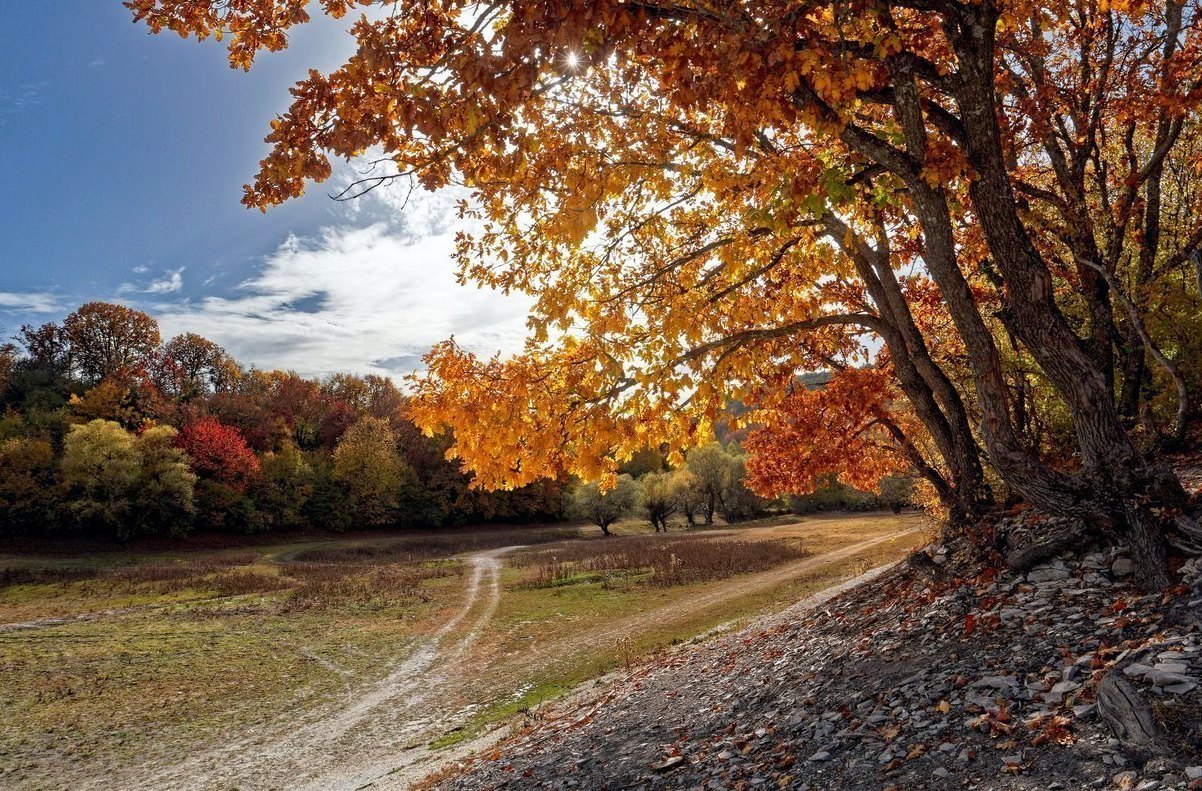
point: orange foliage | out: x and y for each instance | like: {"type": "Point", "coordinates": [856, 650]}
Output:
{"type": "Point", "coordinates": [836, 430]}
{"type": "Point", "coordinates": [692, 196]}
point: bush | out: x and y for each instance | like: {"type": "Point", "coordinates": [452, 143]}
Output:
{"type": "Point", "coordinates": [100, 469]}
{"type": "Point", "coordinates": [603, 508]}
{"type": "Point", "coordinates": [679, 560]}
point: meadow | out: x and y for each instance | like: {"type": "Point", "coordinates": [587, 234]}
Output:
{"type": "Point", "coordinates": [121, 661]}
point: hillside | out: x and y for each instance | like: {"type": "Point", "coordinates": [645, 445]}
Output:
{"type": "Point", "coordinates": [911, 680]}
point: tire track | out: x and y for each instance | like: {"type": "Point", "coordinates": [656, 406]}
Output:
{"type": "Point", "coordinates": [734, 588]}
{"type": "Point", "coordinates": [369, 734]}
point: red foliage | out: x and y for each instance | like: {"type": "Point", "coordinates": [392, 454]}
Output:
{"type": "Point", "coordinates": [836, 430]}
{"type": "Point", "coordinates": [339, 417]}
{"type": "Point", "coordinates": [219, 453]}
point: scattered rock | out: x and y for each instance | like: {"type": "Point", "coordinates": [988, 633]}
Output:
{"type": "Point", "coordinates": [915, 681]}
{"type": "Point", "coordinates": [1047, 574]}
{"type": "Point", "coordinates": [1123, 567]}
{"type": "Point", "coordinates": [668, 763]}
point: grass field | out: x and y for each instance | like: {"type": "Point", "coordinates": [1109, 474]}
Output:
{"type": "Point", "coordinates": [544, 640]}
{"type": "Point", "coordinates": [117, 659]}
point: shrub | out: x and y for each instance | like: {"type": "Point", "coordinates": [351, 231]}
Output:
{"type": "Point", "coordinates": [661, 560]}
{"type": "Point", "coordinates": [603, 508]}
{"type": "Point", "coordinates": [100, 468]}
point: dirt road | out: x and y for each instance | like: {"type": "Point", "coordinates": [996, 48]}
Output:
{"type": "Point", "coordinates": [734, 588]}
{"type": "Point", "coordinates": [377, 731]}
{"type": "Point", "coordinates": [376, 737]}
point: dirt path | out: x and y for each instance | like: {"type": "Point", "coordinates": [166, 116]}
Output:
{"type": "Point", "coordinates": [376, 738]}
{"type": "Point", "coordinates": [378, 731]}
{"type": "Point", "coordinates": [542, 656]}
{"type": "Point", "coordinates": [734, 588]}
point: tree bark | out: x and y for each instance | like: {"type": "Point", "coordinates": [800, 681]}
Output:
{"type": "Point", "coordinates": [915, 371]}
{"type": "Point", "coordinates": [1117, 480]}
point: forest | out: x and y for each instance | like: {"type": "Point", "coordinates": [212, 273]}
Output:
{"type": "Point", "coordinates": [108, 431]}
{"type": "Point", "coordinates": [994, 203]}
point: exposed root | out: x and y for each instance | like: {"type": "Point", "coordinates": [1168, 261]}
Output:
{"type": "Point", "coordinates": [1130, 717]}
{"type": "Point", "coordinates": [1023, 558]}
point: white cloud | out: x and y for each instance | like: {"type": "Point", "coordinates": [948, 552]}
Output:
{"type": "Point", "coordinates": [171, 282]}
{"type": "Point", "coordinates": [29, 302]}
{"type": "Point", "coordinates": [168, 284]}
{"type": "Point", "coordinates": [363, 299]}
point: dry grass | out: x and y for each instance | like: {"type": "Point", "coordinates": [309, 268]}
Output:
{"type": "Point", "coordinates": [658, 561]}
{"type": "Point", "coordinates": [244, 583]}
{"type": "Point", "coordinates": [331, 585]}
{"type": "Point", "coordinates": [422, 548]}
{"type": "Point", "coordinates": [173, 576]}
{"type": "Point", "coordinates": [44, 576]}
{"type": "Point", "coordinates": [365, 574]}
{"type": "Point", "coordinates": [150, 655]}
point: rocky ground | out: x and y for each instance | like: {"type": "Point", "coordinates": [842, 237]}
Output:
{"type": "Point", "coordinates": [919, 679]}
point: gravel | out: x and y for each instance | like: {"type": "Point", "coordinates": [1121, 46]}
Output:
{"type": "Point", "coordinates": [905, 682]}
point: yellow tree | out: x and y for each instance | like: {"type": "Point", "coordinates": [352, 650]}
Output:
{"type": "Point", "coordinates": [705, 199]}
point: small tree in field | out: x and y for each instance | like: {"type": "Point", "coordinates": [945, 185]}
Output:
{"type": "Point", "coordinates": [689, 494]}
{"type": "Point", "coordinates": [659, 498]}
{"type": "Point", "coordinates": [603, 508]}
{"type": "Point", "coordinates": [710, 463]}
{"type": "Point", "coordinates": [738, 502]}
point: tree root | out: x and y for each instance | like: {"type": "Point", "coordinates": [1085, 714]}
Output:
{"type": "Point", "coordinates": [922, 563]}
{"type": "Point", "coordinates": [1023, 558]}
{"type": "Point", "coordinates": [1130, 718]}
{"type": "Point", "coordinates": [1186, 535]}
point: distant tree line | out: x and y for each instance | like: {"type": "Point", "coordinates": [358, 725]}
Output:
{"type": "Point", "coordinates": [108, 430]}
{"type": "Point", "coordinates": [712, 481]}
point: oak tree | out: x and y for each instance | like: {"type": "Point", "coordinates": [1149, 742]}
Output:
{"type": "Point", "coordinates": [705, 200]}
{"type": "Point", "coordinates": [106, 339]}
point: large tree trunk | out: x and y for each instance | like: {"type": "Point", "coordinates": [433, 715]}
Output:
{"type": "Point", "coordinates": [1117, 491]}
{"type": "Point", "coordinates": [935, 400]}
{"type": "Point", "coordinates": [1119, 486]}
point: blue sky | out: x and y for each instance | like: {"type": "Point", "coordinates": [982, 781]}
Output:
{"type": "Point", "coordinates": [125, 154]}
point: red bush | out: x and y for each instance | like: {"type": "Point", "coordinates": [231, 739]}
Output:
{"type": "Point", "coordinates": [219, 453]}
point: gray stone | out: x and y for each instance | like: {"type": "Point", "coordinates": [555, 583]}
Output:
{"type": "Point", "coordinates": [1122, 567]}
{"type": "Point", "coordinates": [1181, 687]}
{"type": "Point", "coordinates": [1047, 574]}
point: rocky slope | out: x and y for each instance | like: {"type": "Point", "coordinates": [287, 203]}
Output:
{"type": "Point", "coordinates": [918, 679]}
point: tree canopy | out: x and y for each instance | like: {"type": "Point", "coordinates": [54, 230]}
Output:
{"type": "Point", "coordinates": [705, 200]}
{"type": "Point", "coordinates": [181, 437]}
